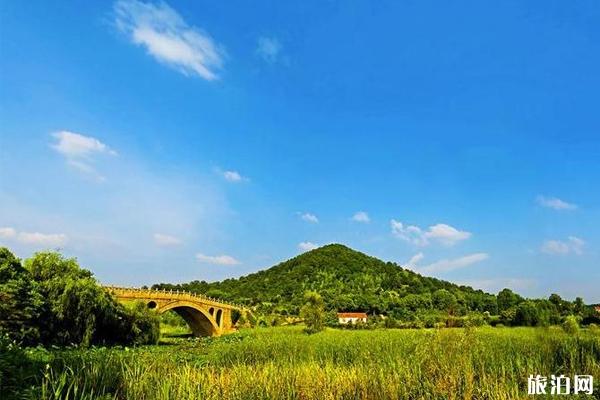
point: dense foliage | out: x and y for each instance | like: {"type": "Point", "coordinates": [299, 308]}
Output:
{"type": "Point", "coordinates": [349, 280]}
{"type": "Point", "coordinates": [50, 300]}
{"type": "Point", "coordinates": [20, 300]}
{"type": "Point", "coordinates": [16, 369]}
{"type": "Point", "coordinates": [313, 312]}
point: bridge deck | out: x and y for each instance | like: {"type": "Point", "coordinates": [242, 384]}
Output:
{"type": "Point", "coordinates": [136, 293]}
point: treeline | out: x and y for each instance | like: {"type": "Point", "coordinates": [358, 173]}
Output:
{"type": "Point", "coordinates": [348, 280]}
{"type": "Point", "coordinates": [515, 310]}
{"type": "Point", "coordinates": [49, 300]}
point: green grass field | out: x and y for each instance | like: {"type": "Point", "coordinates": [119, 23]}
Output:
{"type": "Point", "coordinates": [285, 363]}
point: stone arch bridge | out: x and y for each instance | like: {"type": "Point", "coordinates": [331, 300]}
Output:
{"type": "Point", "coordinates": [205, 316]}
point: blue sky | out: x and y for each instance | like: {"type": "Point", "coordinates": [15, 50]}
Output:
{"type": "Point", "coordinates": [189, 140]}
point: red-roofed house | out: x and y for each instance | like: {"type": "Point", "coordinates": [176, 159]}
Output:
{"type": "Point", "coordinates": [351, 317]}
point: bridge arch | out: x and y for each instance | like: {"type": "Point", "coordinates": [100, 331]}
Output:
{"type": "Point", "coordinates": [219, 317]}
{"type": "Point", "coordinates": [204, 315]}
{"type": "Point", "coordinates": [200, 322]}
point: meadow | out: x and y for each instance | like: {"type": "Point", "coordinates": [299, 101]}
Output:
{"type": "Point", "coordinates": [286, 363]}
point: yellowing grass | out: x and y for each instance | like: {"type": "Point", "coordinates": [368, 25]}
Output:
{"type": "Point", "coordinates": [284, 363]}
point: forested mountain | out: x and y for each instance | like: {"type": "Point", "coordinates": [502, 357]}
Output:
{"type": "Point", "coordinates": [347, 280]}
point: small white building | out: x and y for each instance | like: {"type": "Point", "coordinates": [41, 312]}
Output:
{"type": "Point", "coordinates": [351, 317]}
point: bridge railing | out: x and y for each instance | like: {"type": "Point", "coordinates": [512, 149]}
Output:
{"type": "Point", "coordinates": [176, 293]}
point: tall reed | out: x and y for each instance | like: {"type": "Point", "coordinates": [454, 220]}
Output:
{"type": "Point", "coordinates": [284, 363]}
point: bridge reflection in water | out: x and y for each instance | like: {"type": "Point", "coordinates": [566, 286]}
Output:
{"type": "Point", "coordinates": [204, 315]}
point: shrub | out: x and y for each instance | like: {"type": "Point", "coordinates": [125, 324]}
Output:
{"type": "Point", "coordinates": [277, 320]}
{"type": "Point", "coordinates": [439, 325]}
{"type": "Point", "coordinates": [251, 320]}
{"type": "Point", "coordinates": [331, 319]}
{"type": "Point", "coordinates": [431, 319]}
{"type": "Point", "coordinates": [454, 322]}
{"type": "Point", "coordinates": [507, 317]}
{"type": "Point", "coordinates": [474, 319]}
{"type": "Point", "coordinates": [571, 325]}
{"type": "Point", "coordinates": [390, 322]}
{"type": "Point", "coordinates": [15, 369]}
{"type": "Point", "coordinates": [487, 317]}
{"type": "Point", "coordinates": [313, 312]}
{"type": "Point", "coordinates": [145, 325]}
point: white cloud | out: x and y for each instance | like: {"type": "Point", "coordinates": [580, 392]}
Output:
{"type": "Point", "coordinates": [457, 263]}
{"type": "Point", "coordinates": [307, 246]}
{"type": "Point", "coordinates": [441, 233]}
{"type": "Point", "coordinates": [446, 234]}
{"type": "Point", "coordinates": [576, 244]}
{"type": "Point", "coordinates": [232, 176]}
{"type": "Point", "coordinates": [555, 247]}
{"type": "Point", "coordinates": [555, 203]}
{"type": "Point", "coordinates": [79, 151]}
{"type": "Point", "coordinates": [7, 233]}
{"type": "Point", "coordinates": [217, 260]}
{"type": "Point", "coordinates": [414, 260]}
{"type": "Point", "coordinates": [562, 247]}
{"type": "Point", "coordinates": [409, 233]}
{"type": "Point", "coordinates": [34, 238]}
{"type": "Point", "coordinates": [497, 284]}
{"type": "Point", "coordinates": [43, 239]}
{"type": "Point", "coordinates": [75, 145]}
{"type": "Point", "coordinates": [166, 240]}
{"type": "Point", "coordinates": [361, 216]}
{"type": "Point", "coordinates": [168, 38]}
{"type": "Point", "coordinates": [268, 48]}
{"type": "Point", "coordinates": [308, 217]}
{"type": "Point", "coordinates": [82, 167]}
{"type": "Point", "coordinates": [104, 223]}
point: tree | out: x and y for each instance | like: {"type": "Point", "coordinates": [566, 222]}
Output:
{"type": "Point", "coordinates": [445, 301]}
{"type": "Point", "coordinates": [578, 306]}
{"type": "Point", "coordinates": [20, 301]}
{"type": "Point", "coordinates": [527, 314]}
{"type": "Point", "coordinates": [73, 301]}
{"type": "Point", "coordinates": [556, 300]}
{"type": "Point", "coordinates": [415, 302]}
{"type": "Point", "coordinates": [313, 312]}
{"type": "Point", "coordinates": [76, 310]}
{"type": "Point", "coordinates": [507, 299]}
{"type": "Point", "coordinates": [484, 302]}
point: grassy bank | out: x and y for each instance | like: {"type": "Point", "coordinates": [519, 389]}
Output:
{"type": "Point", "coordinates": [284, 363]}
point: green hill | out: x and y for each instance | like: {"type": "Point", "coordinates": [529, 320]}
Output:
{"type": "Point", "coordinates": [348, 280]}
